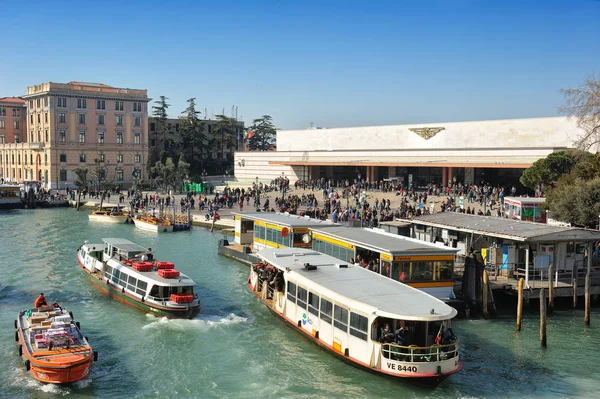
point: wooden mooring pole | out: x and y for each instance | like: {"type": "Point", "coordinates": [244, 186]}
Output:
{"type": "Point", "coordinates": [587, 299]}
{"type": "Point", "coordinates": [574, 292]}
{"type": "Point", "coordinates": [520, 304]}
{"type": "Point", "coordinates": [550, 289]}
{"type": "Point", "coordinates": [543, 317]}
{"type": "Point", "coordinates": [484, 294]}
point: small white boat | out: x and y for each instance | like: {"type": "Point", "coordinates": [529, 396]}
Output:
{"type": "Point", "coordinates": [153, 223]}
{"type": "Point", "coordinates": [363, 318]}
{"type": "Point", "coordinates": [115, 215]}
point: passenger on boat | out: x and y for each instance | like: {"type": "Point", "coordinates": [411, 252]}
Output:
{"type": "Point", "coordinates": [150, 255]}
{"type": "Point", "coordinates": [40, 301]}
{"type": "Point", "coordinates": [387, 335]}
{"type": "Point", "coordinates": [402, 337]}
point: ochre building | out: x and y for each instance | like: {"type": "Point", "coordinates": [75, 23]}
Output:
{"type": "Point", "coordinates": [76, 124]}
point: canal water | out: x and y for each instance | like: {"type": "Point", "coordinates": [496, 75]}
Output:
{"type": "Point", "coordinates": [235, 348]}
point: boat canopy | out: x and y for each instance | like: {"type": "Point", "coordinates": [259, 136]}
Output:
{"type": "Point", "coordinates": [126, 247]}
{"type": "Point", "coordinates": [355, 286]}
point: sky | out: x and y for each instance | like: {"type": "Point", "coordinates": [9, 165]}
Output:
{"type": "Point", "coordinates": [313, 63]}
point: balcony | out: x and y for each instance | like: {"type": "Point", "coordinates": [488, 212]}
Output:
{"type": "Point", "coordinates": [36, 146]}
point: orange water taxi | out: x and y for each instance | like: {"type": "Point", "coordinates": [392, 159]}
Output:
{"type": "Point", "coordinates": [52, 346]}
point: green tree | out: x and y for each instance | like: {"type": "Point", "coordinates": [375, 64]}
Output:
{"type": "Point", "coordinates": [182, 171]}
{"type": "Point", "coordinates": [80, 181]}
{"type": "Point", "coordinates": [265, 134]}
{"type": "Point", "coordinates": [575, 201]}
{"type": "Point", "coordinates": [193, 139]}
{"type": "Point", "coordinates": [225, 133]}
{"type": "Point", "coordinates": [163, 131]}
{"type": "Point", "coordinates": [153, 157]}
{"type": "Point", "coordinates": [547, 171]}
{"type": "Point", "coordinates": [171, 175]}
{"type": "Point", "coordinates": [100, 178]}
{"type": "Point", "coordinates": [583, 104]}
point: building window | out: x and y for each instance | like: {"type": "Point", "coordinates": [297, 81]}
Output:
{"type": "Point", "coordinates": [81, 103]}
{"type": "Point", "coordinates": [82, 136]}
{"type": "Point", "coordinates": [137, 107]}
{"type": "Point", "coordinates": [16, 112]}
{"type": "Point", "coordinates": [46, 135]}
{"type": "Point", "coordinates": [30, 103]}
{"type": "Point", "coordinates": [16, 124]}
{"type": "Point", "coordinates": [137, 121]}
{"type": "Point", "coordinates": [63, 175]}
{"type": "Point", "coordinates": [2, 141]}
{"type": "Point", "coordinates": [17, 138]}
{"type": "Point", "coordinates": [62, 136]}
{"type": "Point", "coordinates": [81, 119]}
{"type": "Point", "coordinates": [119, 137]}
{"type": "Point", "coordinates": [45, 101]}
{"type": "Point", "coordinates": [46, 117]}
{"type": "Point", "coordinates": [153, 143]}
{"type": "Point", "coordinates": [62, 102]}
{"type": "Point", "coordinates": [137, 158]}
{"type": "Point", "coordinates": [39, 118]}
{"type": "Point", "coordinates": [136, 138]}
{"type": "Point", "coordinates": [62, 117]}
{"type": "Point", "coordinates": [118, 105]}
{"type": "Point", "coordinates": [100, 137]}
{"type": "Point", "coordinates": [63, 157]}
{"type": "Point", "coordinates": [81, 157]}
{"type": "Point", "coordinates": [39, 102]}
{"type": "Point", "coordinates": [2, 124]}
{"type": "Point", "coordinates": [101, 175]}
{"type": "Point", "coordinates": [119, 120]}
{"type": "Point", "coordinates": [2, 111]}
{"type": "Point", "coordinates": [119, 174]}
{"type": "Point", "coordinates": [100, 157]}
{"type": "Point", "coordinates": [101, 119]}
{"type": "Point", "coordinates": [100, 104]}
{"type": "Point", "coordinates": [152, 127]}
{"type": "Point", "coordinates": [46, 159]}
{"type": "Point", "coordinates": [31, 119]}
{"type": "Point", "coordinates": [119, 158]}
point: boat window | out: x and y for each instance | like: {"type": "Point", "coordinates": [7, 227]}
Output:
{"type": "Point", "coordinates": [337, 251]}
{"type": "Point", "coordinates": [186, 290]}
{"type": "Point", "coordinates": [359, 325]}
{"type": "Point", "coordinates": [427, 270]}
{"type": "Point", "coordinates": [259, 232]}
{"type": "Point", "coordinates": [123, 279]}
{"type": "Point", "coordinates": [141, 287]}
{"type": "Point", "coordinates": [313, 304]}
{"type": "Point", "coordinates": [132, 281]}
{"type": "Point", "coordinates": [326, 310]}
{"type": "Point", "coordinates": [108, 272]}
{"type": "Point", "coordinates": [154, 291]}
{"type": "Point", "coordinates": [291, 292]}
{"type": "Point", "coordinates": [302, 293]}
{"type": "Point", "coordinates": [340, 318]}
{"type": "Point", "coordinates": [115, 277]}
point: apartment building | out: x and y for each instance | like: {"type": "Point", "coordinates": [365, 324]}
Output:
{"type": "Point", "coordinates": [77, 124]}
{"type": "Point", "coordinates": [12, 127]}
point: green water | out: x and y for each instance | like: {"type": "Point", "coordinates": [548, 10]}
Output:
{"type": "Point", "coordinates": [235, 348]}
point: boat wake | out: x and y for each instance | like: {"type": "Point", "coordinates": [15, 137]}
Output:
{"type": "Point", "coordinates": [24, 381]}
{"type": "Point", "coordinates": [202, 322]}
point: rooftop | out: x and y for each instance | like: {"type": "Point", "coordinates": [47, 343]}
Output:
{"type": "Point", "coordinates": [12, 100]}
{"type": "Point", "coordinates": [506, 228]}
{"type": "Point", "coordinates": [285, 219]}
{"type": "Point", "coordinates": [355, 287]}
{"type": "Point", "coordinates": [383, 241]}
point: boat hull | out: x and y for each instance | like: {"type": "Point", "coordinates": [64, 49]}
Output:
{"type": "Point", "coordinates": [12, 205]}
{"type": "Point", "coordinates": [108, 219]}
{"type": "Point", "coordinates": [126, 299]}
{"type": "Point", "coordinates": [430, 381]}
{"type": "Point", "coordinates": [153, 227]}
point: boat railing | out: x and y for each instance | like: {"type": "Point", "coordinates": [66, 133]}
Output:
{"type": "Point", "coordinates": [416, 354]}
{"type": "Point", "coordinates": [269, 290]}
{"type": "Point", "coordinates": [161, 299]}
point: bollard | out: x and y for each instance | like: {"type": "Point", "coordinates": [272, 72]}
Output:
{"type": "Point", "coordinates": [574, 293]}
{"type": "Point", "coordinates": [484, 294]}
{"type": "Point", "coordinates": [520, 304]}
{"type": "Point", "coordinates": [543, 317]}
{"type": "Point", "coordinates": [587, 300]}
{"type": "Point", "coordinates": [550, 290]}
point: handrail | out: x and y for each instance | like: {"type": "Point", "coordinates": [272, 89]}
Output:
{"type": "Point", "coordinates": [416, 354]}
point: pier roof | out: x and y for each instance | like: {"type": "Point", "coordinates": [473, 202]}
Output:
{"type": "Point", "coordinates": [505, 228]}
{"type": "Point", "coordinates": [285, 219]}
{"type": "Point", "coordinates": [357, 288]}
{"type": "Point", "coordinates": [384, 241]}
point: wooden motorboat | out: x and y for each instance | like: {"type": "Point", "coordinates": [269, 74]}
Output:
{"type": "Point", "coordinates": [114, 215]}
{"type": "Point", "coordinates": [52, 346]}
{"type": "Point", "coordinates": [153, 223]}
{"type": "Point", "coordinates": [121, 269]}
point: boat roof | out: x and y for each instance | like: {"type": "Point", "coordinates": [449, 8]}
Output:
{"type": "Point", "coordinates": [526, 200]}
{"type": "Point", "coordinates": [285, 219]}
{"type": "Point", "coordinates": [153, 277]}
{"type": "Point", "coordinates": [124, 245]}
{"type": "Point", "coordinates": [384, 242]}
{"type": "Point", "coordinates": [356, 287]}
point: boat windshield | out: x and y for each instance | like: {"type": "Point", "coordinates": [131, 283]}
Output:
{"type": "Point", "coordinates": [159, 292]}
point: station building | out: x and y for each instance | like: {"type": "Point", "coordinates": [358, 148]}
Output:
{"type": "Point", "coordinates": [495, 151]}
{"type": "Point", "coordinates": [68, 125]}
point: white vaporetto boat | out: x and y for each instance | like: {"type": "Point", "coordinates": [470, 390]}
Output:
{"type": "Point", "coordinates": [366, 319]}
{"type": "Point", "coordinates": [153, 223]}
{"type": "Point", "coordinates": [10, 197]}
